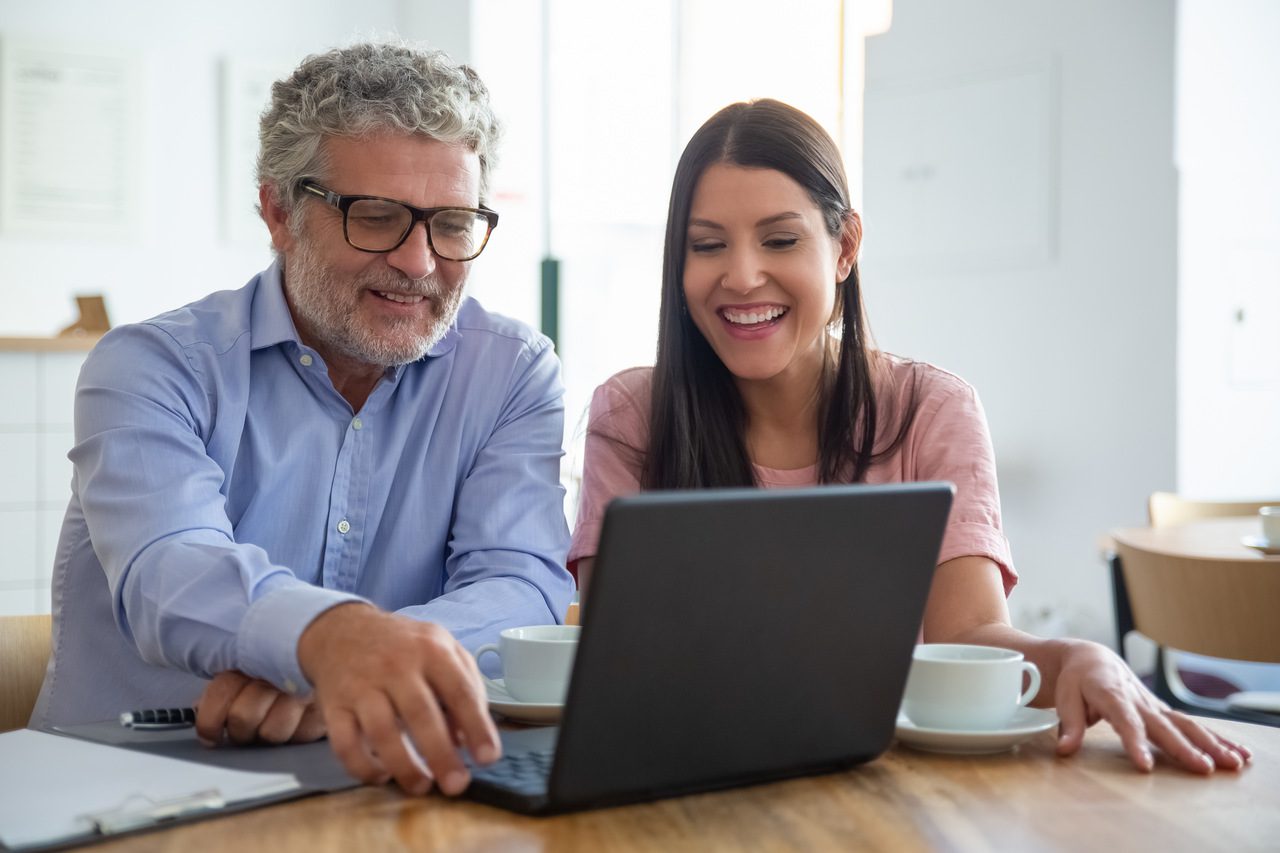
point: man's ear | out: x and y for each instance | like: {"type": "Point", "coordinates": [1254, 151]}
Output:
{"type": "Point", "coordinates": [276, 217]}
{"type": "Point", "coordinates": [850, 243]}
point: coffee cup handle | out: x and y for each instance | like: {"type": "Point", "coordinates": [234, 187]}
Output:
{"type": "Point", "coordinates": [1032, 689]}
{"type": "Point", "coordinates": [493, 647]}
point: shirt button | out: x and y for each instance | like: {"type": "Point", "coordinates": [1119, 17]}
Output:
{"type": "Point", "coordinates": [290, 686]}
{"type": "Point", "coordinates": [306, 360]}
{"type": "Point", "coordinates": [357, 424]}
{"type": "Point", "coordinates": [344, 526]}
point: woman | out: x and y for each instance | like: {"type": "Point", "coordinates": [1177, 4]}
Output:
{"type": "Point", "coordinates": [766, 376]}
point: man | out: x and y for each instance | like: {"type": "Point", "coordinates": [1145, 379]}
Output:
{"type": "Point", "coordinates": [318, 490]}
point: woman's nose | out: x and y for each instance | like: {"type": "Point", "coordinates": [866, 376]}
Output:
{"type": "Point", "coordinates": [744, 273]}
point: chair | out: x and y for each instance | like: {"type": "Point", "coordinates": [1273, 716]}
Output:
{"type": "Point", "coordinates": [25, 643]}
{"type": "Point", "coordinates": [1220, 608]}
{"type": "Point", "coordinates": [1165, 509]}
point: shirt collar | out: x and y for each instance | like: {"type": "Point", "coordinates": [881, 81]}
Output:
{"type": "Point", "coordinates": [273, 322]}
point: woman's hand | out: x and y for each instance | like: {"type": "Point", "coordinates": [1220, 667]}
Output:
{"type": "Point", "coordinates": [1095, 684]}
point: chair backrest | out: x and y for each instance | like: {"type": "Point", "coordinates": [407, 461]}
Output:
{"type": "Point", "coordinates": [1218, 607]}
{"type": "Point", "coordinates": [1165, 509]}
{"type": "Point", "coordinates": [24, 654]}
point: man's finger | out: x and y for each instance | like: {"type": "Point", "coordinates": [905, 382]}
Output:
{"type": "Point", "coordinates": [311, 727]}
{"type": "Point", "coordinates": [461, 692]}
{"type": "Point", "coordinates": [425, 724]}
{"type": "Point", "coordinates": [248, 710]}
{"type": "Point", "coordinates": [282, 719]}
{"type": "Point", "coordinates": [215, 702]}
{"type": "Point", "coordinates": [347, 742]}
{"type": "Point", "coordinates": [378, 721]}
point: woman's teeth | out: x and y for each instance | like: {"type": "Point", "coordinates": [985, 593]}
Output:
{"type": "Point", "coordinates": [751, 318]}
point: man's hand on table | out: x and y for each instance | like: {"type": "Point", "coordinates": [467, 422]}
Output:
{"type": "Point", "coordinates": [1094, 684]}
{"type": "Point", "coordinates": [395, 692]}
{"type": "Point", "coordinates": [249, 709]}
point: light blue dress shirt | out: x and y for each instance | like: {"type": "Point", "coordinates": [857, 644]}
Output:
{"type": "Point", "coordinates": [225, 494]}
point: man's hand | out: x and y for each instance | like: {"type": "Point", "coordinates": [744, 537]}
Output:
{"type": "Point", "coordinates": [1094, 684]}
{"type": "Point", "coordinates": [396, 692]}
{"type": "Point", "coordinates": [250, 710]}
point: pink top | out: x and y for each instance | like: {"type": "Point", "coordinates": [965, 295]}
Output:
{"type": "Point", "coordinates": [948, 440]}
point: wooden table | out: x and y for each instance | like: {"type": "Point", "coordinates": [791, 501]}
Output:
{"type": "Point", "coordinates": [1023, 800]}
{"type": "Point", "coordinates": [1210, 539]}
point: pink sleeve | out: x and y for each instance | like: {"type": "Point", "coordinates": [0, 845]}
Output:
{"type": "Point", "coordinates": [617, 434]}
{"type": "Point", "coordinates": [952, 443]}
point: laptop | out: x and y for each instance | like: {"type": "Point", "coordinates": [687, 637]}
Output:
{"type": "Point", "coordinates": [731, 637]}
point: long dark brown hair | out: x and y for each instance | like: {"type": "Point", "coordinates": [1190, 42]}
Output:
{"type": "Point", "coordinates": [697, 420]}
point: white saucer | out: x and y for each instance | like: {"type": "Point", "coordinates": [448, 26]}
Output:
{"type": "Point", "coordinates": [1258, 543]}
{"type": "Point", "coordinates": [522, 712]}
{"type": "Point", "coordinates": [1255, 700]}
{"type": "Point", "coordinates": [1026, 722]}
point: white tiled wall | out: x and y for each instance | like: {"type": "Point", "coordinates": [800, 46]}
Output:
{"type": "Point", "coordinates": [36, 397]}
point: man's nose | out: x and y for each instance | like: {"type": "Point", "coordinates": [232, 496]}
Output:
{"type": "Point", "coordinates": [414, 257]}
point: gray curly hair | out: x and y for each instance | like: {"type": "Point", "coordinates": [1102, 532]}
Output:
{"type": "Point", "coordinates": [364, 89]}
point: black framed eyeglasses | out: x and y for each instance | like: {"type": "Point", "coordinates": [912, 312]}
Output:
{"type": "Point", "coordinates": [374, 224]}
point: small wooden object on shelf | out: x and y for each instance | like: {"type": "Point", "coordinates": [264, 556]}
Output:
{"type": "Point", "coordinates": [93, 318]}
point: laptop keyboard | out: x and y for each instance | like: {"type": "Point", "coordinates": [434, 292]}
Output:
{"type": "Point", "coordinates": [524, 772]}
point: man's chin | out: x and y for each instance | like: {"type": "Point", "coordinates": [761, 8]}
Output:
{"type": "Point", "coordinates": [389, 350]}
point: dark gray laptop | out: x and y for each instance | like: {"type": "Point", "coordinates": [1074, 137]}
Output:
{"type": "Point", "coordinates": [732, 637]}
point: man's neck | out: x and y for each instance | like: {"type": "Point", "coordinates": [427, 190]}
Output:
{"type": "Point", "coordinates": [354, 380]}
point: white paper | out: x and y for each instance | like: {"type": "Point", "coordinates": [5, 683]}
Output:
{"type": "Point", "coordinates": [71, 139]}
{"type": "Point", "coordinates": [48, 783]}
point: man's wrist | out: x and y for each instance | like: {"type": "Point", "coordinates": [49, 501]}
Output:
{"type": "Point", "coordinates": [315, 636]}
{"type": "Point", "coordinates": [267, 642]}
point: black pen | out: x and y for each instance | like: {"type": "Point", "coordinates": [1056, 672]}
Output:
{"type": "Point", "coordinates": [159, 718]}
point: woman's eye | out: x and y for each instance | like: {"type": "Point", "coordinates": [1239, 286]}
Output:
{"type": "Point", "coordinates": [781, 242]}
{"type": "Point", "coordinates": [705, 247]}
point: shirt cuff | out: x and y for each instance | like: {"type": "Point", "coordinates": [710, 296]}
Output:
{"type": "Point", "coordinates": [267, 642]}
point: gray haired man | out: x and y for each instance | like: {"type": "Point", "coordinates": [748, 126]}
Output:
{"type": "Point", "coordinates": [299, 503]}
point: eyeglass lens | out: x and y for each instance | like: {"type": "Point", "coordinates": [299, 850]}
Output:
{"type": "Point", "coordinates": [378, 225]}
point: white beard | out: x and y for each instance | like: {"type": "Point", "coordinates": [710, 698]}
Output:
{"type": "Point", "coordinates": [327, 305]}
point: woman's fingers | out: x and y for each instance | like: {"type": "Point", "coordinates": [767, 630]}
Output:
{"type": "Point", "coordinates": [1073, 718]}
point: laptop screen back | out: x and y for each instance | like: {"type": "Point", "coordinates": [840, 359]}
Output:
{"type": "Point", "coordinates": [732, 636]}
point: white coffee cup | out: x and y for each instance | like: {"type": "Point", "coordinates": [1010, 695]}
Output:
{"type": "Point", "coordinates": [969, 688]}
{"type": "Point", "coordinates": [1270, 516]}
{"type": "Point", "coordinates": [536, 661]}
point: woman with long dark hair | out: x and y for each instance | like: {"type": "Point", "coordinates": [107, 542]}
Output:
{"type": "Point", "coordinates": [766, 375]}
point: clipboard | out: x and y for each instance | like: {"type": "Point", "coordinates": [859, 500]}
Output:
{"type": "Point", "coordinates": [83, 784]}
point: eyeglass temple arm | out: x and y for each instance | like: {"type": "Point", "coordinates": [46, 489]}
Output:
{"type": "Point", "coordinates": [328, 195]}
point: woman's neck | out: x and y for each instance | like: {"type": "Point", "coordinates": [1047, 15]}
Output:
{"type": "Point", "coordinates": [782, 417]}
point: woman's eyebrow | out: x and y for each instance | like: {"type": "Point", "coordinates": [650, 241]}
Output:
{"type": "Point", "coordinates": [776, 218]}
{"type": "Point", "coordinates": [768, 220]}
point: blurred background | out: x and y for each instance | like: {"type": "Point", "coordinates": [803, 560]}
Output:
{"type": "Point", "coordinates": [1073, 205]}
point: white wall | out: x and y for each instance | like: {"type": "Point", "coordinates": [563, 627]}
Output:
{"type": "Point", "coordinates": [1046, 130]}
{"type": "Point", "coordinates": [1228, 131]}
{"type": "Point", "coordinates": [180, 253]}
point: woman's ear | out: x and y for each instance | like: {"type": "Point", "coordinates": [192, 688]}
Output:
{"type": "Point", "coordinates": [850, 243]}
